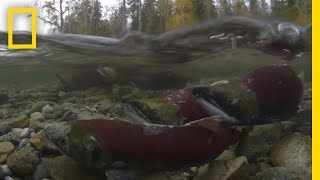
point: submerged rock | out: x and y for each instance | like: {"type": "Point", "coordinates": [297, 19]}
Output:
{"type": "Point", "coordinates": [258, 142]}
{"type": "Point", "coordinates": [47, 109]}
{"type": "Point", "coordinates": [3, 158]}
{"type": "Point", "coordinates": [21, 122]}
{"type": "Point", "coordinates": [63, 167]}
{"type": "Point", "coordinates": [23, 143]}
{"type": "Point", "coordinates": [36, 125]}
{"type": "Point", "coordinates": [253, 148]}
{"type": "Point", "coordinates": [36, 143]}
{"type": "Point", "coordinates": [5, 127]}
{"type": "Point", "coordinates": [14, 136]}
{"type": "Point", "coordinates": [228, 170]}
{"type": "Point", "coordinates": [9, 178]}
{"type": "Point", "coordinates": [23, 161]}
{"type": "Point", "coordinates": [6, 147]}
{"type": "Point", "coordinates": [37, 107]}
{"type": "Point", "coordinates": [6, 170]}
{"type": "Point", "coordinates": [36, 116]}
{"type": "Point", "coordinates": [275, 173]}
{"type": "Point", "coordinates": [294, 153]}
{"type": "Point", "coordinates": [104, 106]}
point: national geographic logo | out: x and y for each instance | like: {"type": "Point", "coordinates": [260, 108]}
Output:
{"type": "Point", "coordinates": [33, 12]}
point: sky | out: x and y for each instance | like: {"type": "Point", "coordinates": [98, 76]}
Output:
{"type": "Point", "coordinates": [20, 20]}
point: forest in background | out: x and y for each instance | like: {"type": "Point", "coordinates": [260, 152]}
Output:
{"type": "Point", "coordinates": [157, 16]}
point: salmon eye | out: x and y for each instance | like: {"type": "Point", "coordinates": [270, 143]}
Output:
{"type": "Point", "coordinates": [229, 100]}
{"type": "Point", "coordinates": [62, 141]}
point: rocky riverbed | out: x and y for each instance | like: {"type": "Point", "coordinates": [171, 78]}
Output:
{"type": "Point", "coordinates": [273, 151]}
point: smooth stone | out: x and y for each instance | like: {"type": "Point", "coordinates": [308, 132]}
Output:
{"type": "Point", "coordinates": [63, 167]}
{"type": "Point", "coordinates": [262, 166]}
{"type": "Point", "coordinates": [8, 178]}
{"type": "Point", "coordinates": [62, 94]}
{"type": "Point", "coordinates": [37, 107]}
{"type": "Point", "coordinates": [32, 134]}
{"type": "Point", "coordinates": [36, 143]}
{"type": "Point", "coordinates": [269, 132]}
{"type": "Point", "coordinates": [3, 158]}
{"type": "Point", "coordinates": [84, 114]}
{"type": "Point", "coordinates": [104, 106]}
{"type": "Point", "coordinates": [68, 115]}
{"type": "Point", "coordinates": [5, 127]}
{"type": "Point", "coordinates": [23, 143]}
{"type": "Point", "coordinates": [29, 158]}
{"type": "Point", "coordinates": [45, 145]}
{"type": "Point", "coordinates": [18, 132]}
{"type": "Point", "coordinates": [227, 155]}
{"type": "Point", "coordinates": [36, 116]}
{"type": "Point", "coordinates": [294, 153]}
{"type": "Point", "coordinates": [6, 147]}
{"type": "Point", "coordinates": [98, 116]}
{"type": "Point", "coordinates": [14, 136]}
{"type": "Point", "coordinates": [21, 122]}
{"type": "Point", "coordinates": [257, 143]}
{"type": "Point", "coordinates": [25, 133]}
{"type": "Point", "coordinates": [41, 172]}
{"type": "Point", "coordinates": [275, 173]}
{"type": "Point", "coordinates": [68, 106]}
{"type": "Point", "coordinates": [252, 147]}
{"type": "Point", "coordinates": [231, 169]}
{"type": "Point", "coordinates": [36, 125]}
{"type": "Point", "coordinates": [47, 109]}
{"type": "Point", "coordinates": [6, 170]}
{"type": "Point", "coordinates": [55, 115]}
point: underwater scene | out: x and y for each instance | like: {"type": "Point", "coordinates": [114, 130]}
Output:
{"type": "Point", "coordinates": [219, 98]}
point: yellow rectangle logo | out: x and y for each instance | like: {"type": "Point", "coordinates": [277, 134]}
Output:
{"type": "Point", "coordinates": [33, 12]}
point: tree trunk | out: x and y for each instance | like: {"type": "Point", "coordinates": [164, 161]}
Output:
{"type": "Point", "coordinates": [61, 17]}
{"type": "Point", "coordinates": [124, 14]}
{"type": "Point", "coordinates": [140, 24]}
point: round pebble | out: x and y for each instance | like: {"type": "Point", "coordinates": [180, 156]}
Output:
{"type": "Point", "coordinates": [36, 116]}
{"type": "Point", "coordinates": [26, 155]}
{"type": "Point", "coordinates": [6, 170]}
{"type": "Point", "coordinates": [25, 133]}
{"type": "Point", "coordinates": [23, 143]}
{"type": "Point", "coordinates": [8, 178]}
{"type": "Point", "coordinates": [21, 122]}
{"type": "Point", "coordinates": [275, 173]}
{"type": "Point", "coordinates": [6, 147]}
{"type": "Point", "coordinates": [47, 109]}
{"type": "Point", "coordinates": [3, 158]}
{"type": "Point", "coordinates": [36, 143]}
{"type": "Point", "coordinates": [294, 153]}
